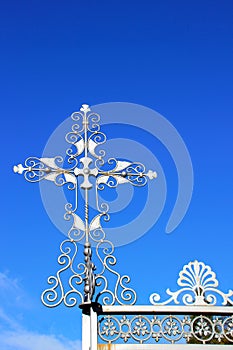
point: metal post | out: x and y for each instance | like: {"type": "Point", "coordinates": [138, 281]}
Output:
{"type": "Point", "coordinates": [93, 328]}
{"type": "Point", "coordinates": [89, 325]}
{"type": "Point", "coordinates": [86, 336]}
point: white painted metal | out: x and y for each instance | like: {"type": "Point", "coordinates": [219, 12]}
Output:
{"type": "Point", "coordinates": [198, 287]}
{"type": "Point", "coordinates": [197, 296]}
{"type": "Point", "coordinates": [93, 328]}
{"type": "Point", "coordinates": [86, 332]}
{"type": "Point", "coordinates": [84, 159]}
{"type": "Point", "coordinates": [195, 314]}
{"type": "Point", "coordinates": [165, 328]}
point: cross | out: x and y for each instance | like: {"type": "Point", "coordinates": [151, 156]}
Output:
{"type": "Point", "coordinates": [86, 172]}
{"type": "Point", "coordinates": [85, 162]}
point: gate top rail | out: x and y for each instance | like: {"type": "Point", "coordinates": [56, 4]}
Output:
{"type": "Point", "coordinates": [167, 309]}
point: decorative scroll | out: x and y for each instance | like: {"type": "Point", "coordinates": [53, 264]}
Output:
{"type": "Point", "coordinates": [199, 287]}
{"type": "Point", "coordinates": [119, 292]}
{"type": "Point", "coordinates": [172, 329]}
{"type": "Point", "coordinates": [61, 291]}
{"type": "Point", "coordinates": [124, 172]}
{"type": "Point", "coordinates": [97, 285]}
{"type": "Point", "coordinates": [37, 169]}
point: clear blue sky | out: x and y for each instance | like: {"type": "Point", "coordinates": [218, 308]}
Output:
{"type": "Point", "coordinates": [172, 56]}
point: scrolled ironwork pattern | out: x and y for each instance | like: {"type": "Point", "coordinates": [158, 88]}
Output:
{"type": "Point", "coordinates": [199, 287]}
{"type": "Point", "coordinates": [37, 169]}
{"type": "Point", "coordinates": [172, 329]}
{"type": "Point", "coordinates": [69, 293]}
{"type": "Point", "coordinates": [94, 278]}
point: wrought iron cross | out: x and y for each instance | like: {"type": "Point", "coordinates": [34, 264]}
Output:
{"type": "Point", "coordinates": [85, 162]}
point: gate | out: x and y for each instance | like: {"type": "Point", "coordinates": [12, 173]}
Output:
{"type": "Point", "coordinates": [192, 314]}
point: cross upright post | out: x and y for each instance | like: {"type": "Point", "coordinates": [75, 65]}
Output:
{"type": "Point", "coordinates": [86, 163]}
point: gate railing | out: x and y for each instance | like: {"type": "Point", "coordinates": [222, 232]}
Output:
{"type": "Point", "coordinates": [165, 325]}
{"type": "Point", "coordinates": [200, 314]}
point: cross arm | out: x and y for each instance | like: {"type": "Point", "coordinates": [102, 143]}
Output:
{"type": "Point", "coordinates": [125, 172]}
{"type": "Point", "coordinates": [37, 169]}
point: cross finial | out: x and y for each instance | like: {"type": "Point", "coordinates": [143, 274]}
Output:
{"type": "Point", "coordinates": [85, 162]}
{"type": "Point", "coordinates": [85, 108]}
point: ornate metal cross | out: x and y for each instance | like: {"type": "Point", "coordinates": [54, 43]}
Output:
{"type": "Point", "coordinates": [84, 162]}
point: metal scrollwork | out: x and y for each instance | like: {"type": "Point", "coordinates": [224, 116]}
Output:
{"type": "Point", "coordinates": [85, 160]}
{"type": "Point", "coordinates": [37, 169]}
{"type": "Point", "coordinates": [70, 294]}
{"type": "Point", "coordinates": [199, 287]}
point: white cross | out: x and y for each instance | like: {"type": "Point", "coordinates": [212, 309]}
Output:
{"type": "Point", "coordinates": [84, 143]}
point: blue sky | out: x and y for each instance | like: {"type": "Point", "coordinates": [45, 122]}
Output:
{"type": "Point", "coordinates": [173, 57]}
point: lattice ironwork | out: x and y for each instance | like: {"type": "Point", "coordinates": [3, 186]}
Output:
{"type": "Point", "coordinates": [84, 162]}
{"type": "Point", "coordinates": [165, 329]}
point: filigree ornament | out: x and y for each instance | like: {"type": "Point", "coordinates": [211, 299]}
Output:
{"type": "Point", "coordinates": [166, 329]}
{"type": "Point", "coordinates": [86, 169]}
{"type": "Point", "coordinates": [60, 291]}
{"type": "Point", "coordinates": [94, 278]}
{"type": "Point", "coordinates": [199, 287]}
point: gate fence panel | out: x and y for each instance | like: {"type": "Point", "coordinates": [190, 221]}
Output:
{"type": "Point", "coordinates": [165, 325]}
